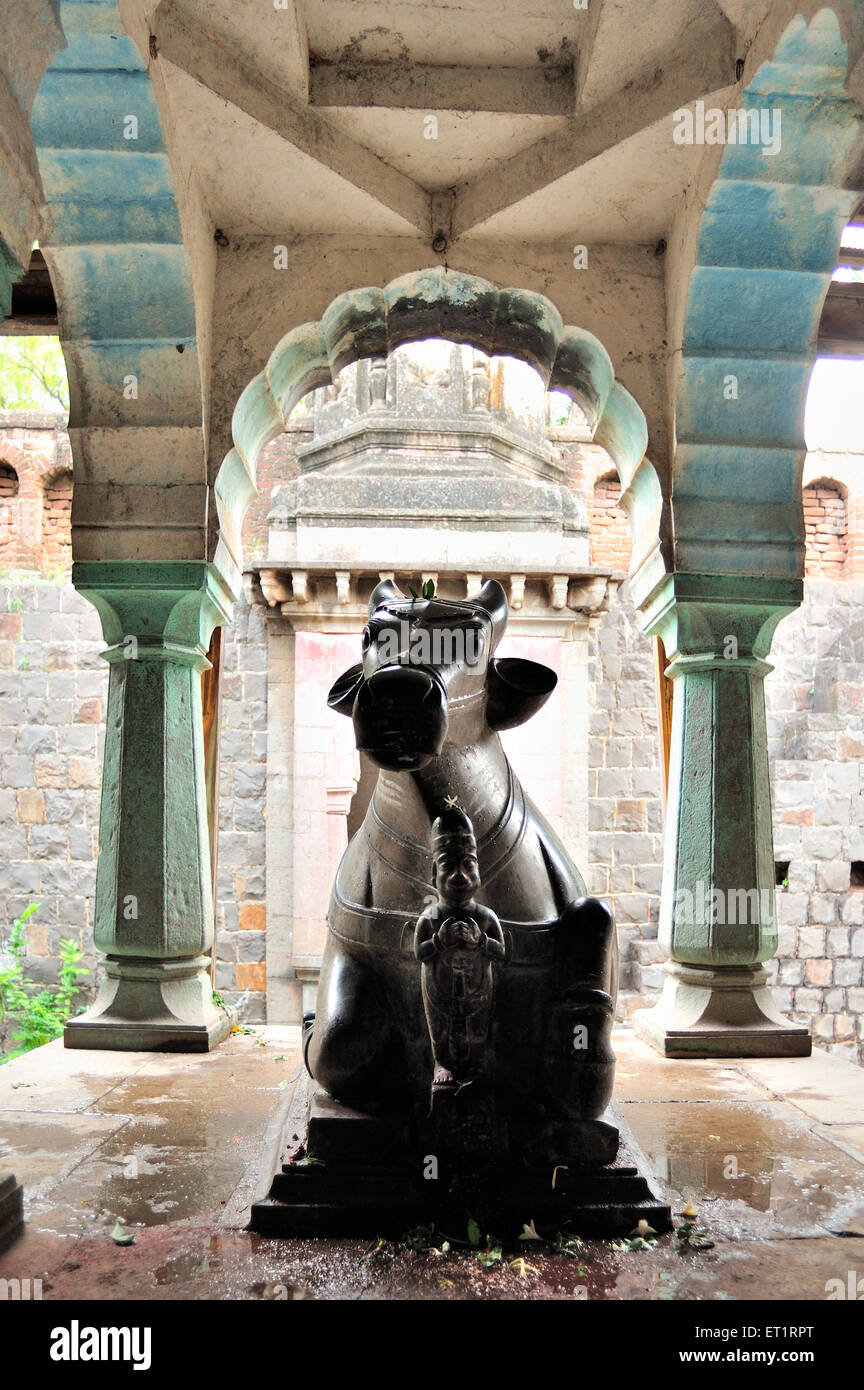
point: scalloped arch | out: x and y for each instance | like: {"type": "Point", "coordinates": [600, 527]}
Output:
{"type": "Point", "coordinates": [768, 243]}
{"type": "Point", "coordinates": [114, 228]}
{"type": "Point", "coordinates": [439, 303]}
{"type": "Point", "coordinates": [114, 243]}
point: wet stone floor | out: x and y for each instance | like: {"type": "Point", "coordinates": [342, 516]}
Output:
{"type": "Point", "coordinates": [770, 1154]}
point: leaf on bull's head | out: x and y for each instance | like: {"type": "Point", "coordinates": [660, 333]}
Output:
{"type": "Point", "coordinates": [429, 589]}
{"type": "Point", "coordinates": [412, 591]}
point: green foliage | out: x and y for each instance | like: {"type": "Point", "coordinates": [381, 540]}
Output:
{"type": "Point", "coordinates": [693, 1239]}
{"type": "Point", "coordinates": [13, 995]}
{"type": "Point", "coordinates": [567, 1245]}
{"type": "Point", "coordinates": [492, 1255]}
{"type": "Point", "coordinates": [421, 1239]}
{"type": "Point", "coordinates": [38, 1014]}
{"type": "Point", "coordinates": [32, 374]}
{"type": "Point", "coordinates": [427, 591]}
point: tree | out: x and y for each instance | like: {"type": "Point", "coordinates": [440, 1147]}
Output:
{"type": "Point", "coordinates": [33, 374]}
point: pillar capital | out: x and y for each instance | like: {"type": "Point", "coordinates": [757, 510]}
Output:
{"type": "Point", "coordinates": [695, 615]}
{"type": "Point", "coordinates": [171, 603]}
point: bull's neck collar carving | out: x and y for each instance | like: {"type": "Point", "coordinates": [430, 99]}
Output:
{"type": "Point", "coordinates": [499, 813]}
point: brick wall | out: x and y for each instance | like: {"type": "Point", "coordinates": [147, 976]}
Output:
{"type": "Point", "coordinates": [610, 528]}
{"type": "Point", "coordinates": [8, 494]}
{"type": "Point", "coordinates": [35, 492]}
{"type": "Point", "coordinates": [825, 527]}
{"type": "Point", "coordinates": [278, 463]}
{"type": "Point", "coordinates": [57, 521]}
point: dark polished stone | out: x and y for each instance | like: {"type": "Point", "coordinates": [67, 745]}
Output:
{"type": "Point", "coordinates": [461, 1047]}
{"type": "Point", "coordinates": [11, 1210]}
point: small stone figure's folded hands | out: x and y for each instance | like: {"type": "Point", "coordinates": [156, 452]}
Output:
{"type": "Point", "coordinates": [425, 940]}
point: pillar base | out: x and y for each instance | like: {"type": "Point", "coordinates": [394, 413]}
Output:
{"type": "Point", "coordinates": [719, 1011]}
{"type": "Point", "coordinates": [153, 1006]}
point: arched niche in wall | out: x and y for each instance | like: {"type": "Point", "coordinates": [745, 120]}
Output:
{"type": "Point", "coordinates": [825, 529]}
{"type": "Point", "coordinates": [8, 513]}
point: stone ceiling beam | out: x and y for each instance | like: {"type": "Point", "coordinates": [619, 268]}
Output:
{"type": "Point", "coordinates": [587, 39]}
{"type": "Point", "coordinates": [701, 70]}
{"type": "Point", "coordinates": [534, 91]}
{"type": "Point", "coordinates": [209, 63]}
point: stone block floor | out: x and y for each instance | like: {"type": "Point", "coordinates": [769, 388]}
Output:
{"type": "Point", "coordinates": [770, 1152]}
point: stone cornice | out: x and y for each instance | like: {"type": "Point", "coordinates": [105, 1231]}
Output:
{"type": "Point", "coordinates": [319, 594]}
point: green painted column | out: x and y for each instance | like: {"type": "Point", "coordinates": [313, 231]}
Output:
{"type": "Point", "coordinates": [154, 899]}
{"type": "Point", "coordinates": [10, 272]}
{"type": "Point", "coordinates": [717, 915]}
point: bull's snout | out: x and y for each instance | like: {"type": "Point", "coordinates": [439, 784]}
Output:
{"type": "Point", "coordinates": [400, 717]}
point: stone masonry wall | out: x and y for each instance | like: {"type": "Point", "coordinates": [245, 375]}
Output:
{"type": "Point", "coordinates": [241, 913]}
{"type": "Point", "coordinates": [625, 783]}
{"type": "Point", "coordinates": [52, 703]}
{"type": "Point", "coordinates": [815, 705]}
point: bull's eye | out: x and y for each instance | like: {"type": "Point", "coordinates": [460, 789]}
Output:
{"type": "Point", "coordinates": [367, 640]}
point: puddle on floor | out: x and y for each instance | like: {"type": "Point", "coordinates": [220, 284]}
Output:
{"type": "Point", "coordinates": [761, 1169]}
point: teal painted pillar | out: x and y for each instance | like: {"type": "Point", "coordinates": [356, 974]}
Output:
{"type": "Point", "coordinates": [717, 915]}
{"type": "Point", "coordinates": [154, 898]}
{"type": "Point", "coordinates": [10, 272]}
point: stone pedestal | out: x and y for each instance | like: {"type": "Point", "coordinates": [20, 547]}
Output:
{"type": "Point", "coordinates": [154, 900]}
{"type": "Point", "coordinates": [717, 914]}
{"type": "Point", "coordinates": [359, 1174]}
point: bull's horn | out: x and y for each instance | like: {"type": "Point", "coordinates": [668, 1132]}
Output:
{"type": "Point", "coordinates": [381, 593]}
{"type": "Point", "coordinates": [493, 600]}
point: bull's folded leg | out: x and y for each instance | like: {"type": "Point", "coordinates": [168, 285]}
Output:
{"type": "Point", "coordinates": [579, 1068]}
{"type": "Point", "coordinates": [350, 1045]}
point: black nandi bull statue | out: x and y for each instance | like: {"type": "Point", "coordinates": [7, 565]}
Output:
{"type": "Point", "coordinates": [428, 701]}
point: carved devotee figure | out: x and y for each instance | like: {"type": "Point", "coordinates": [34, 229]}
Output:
{"type": "Point", "coordinates": [456, 941]}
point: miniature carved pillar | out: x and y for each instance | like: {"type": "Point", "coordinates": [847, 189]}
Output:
{"type": "Point", "coordinates": [154, 901]}
{"type": "Point", "coordinates": [717, 923]}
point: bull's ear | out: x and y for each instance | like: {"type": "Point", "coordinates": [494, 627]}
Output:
{"type": "Point", "coordinates": [343, 693]}
{"type": "Point", "coordinates": [516, 690]}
